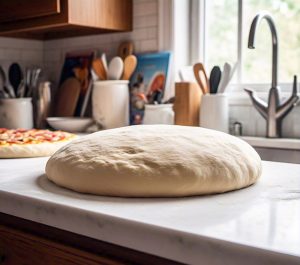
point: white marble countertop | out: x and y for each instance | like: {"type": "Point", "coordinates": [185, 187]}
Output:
{"type": "Point", "coordinates": [256, 225]}
{"type": "Point", "coordinates": [280, 143]}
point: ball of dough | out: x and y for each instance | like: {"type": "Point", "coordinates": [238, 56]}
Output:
{"type": "Point", "coordinates": [155, 161]}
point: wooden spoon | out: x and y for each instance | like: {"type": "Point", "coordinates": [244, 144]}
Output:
{"type": "Point", "coordinates": [130, 63]}
{"type": "Point", "coordinates": [201, 77]}
{"type": "Point", "coordinates": [125, 49]}
{"type": "Point", "coordinates": [99, 69]}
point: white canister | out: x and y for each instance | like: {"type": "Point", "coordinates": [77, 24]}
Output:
{"type": "Point", "coordinates": [16, 113]}
{"type": "Point", "coordinates": [214, 113]}
{"type": "Point", "coordinates": [110, 103]}
{"type": "Point", "coordinates": [159, 114]}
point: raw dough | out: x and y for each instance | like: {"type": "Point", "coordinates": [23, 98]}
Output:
{"type": "Point", "coordinates": [155, 161]}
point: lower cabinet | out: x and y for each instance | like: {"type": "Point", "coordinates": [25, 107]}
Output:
{"type": "Point", "coordinates": [21, 248]}
{"type": "Point", "coordinates": [24, 242]}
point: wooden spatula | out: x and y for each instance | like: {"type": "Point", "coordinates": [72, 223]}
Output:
{"type": "Point", "coordinates": [130, 63]}
{"type": "Point", "coordinates": [67, 98]}
{"type": "Point", "coordinates": [201, 77]}
{"type": "Point", "coordinates": [99, 69]}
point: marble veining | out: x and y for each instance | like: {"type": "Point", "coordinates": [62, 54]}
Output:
{"type": "Point", "coordinates": [256, 225]}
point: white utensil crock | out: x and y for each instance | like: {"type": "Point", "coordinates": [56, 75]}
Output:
{"type": "Point", "coordinates": [159, 114]}
{"type": "Point", "coordinates": [214, 113]}
{"type": "Point", "coordinates": [16, 113]}
{"type": "Point", "coordinates": [110, 103]}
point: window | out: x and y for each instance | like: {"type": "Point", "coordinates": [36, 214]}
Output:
{"type": "Point", "coordinates": [227, 24]}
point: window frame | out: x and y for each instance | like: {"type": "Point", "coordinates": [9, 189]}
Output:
{"type": "Point", "coordinates": [198, 47]}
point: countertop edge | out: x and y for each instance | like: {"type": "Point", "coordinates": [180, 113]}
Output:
{"type": "Point", "coordinates": [173, 244]}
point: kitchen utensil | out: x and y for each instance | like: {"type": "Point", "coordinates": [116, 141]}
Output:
{"type": "Point", "coordinates": [233, 69]}
{"type": "Point", "coordinates": [15, 76]}
{"type": "Point", "coordinates": [8, 91]}
{"type": "Point", "coordinates": [42, 104]}
{"type": "Point", "coordinates": [99, 69]}
{"type": "Point", "coordinates": [67, 97]}
{"type": "Point", "coordinates": [201, 77]}
{"type": "Point", "coordinates": [225, 78]}
{"type": "Point", "coordinates": [104, 61]}
{"type": "Point", "coordinates": [130, 63]}
{"type": "Point", "coordinates": [82, 75]}
{"type": "Point", "coordinates": [125, 49]}
{"type": "Point", "coordinates": [3, 93]}
{"type": "Point", "coordinates": [36, 75]}
{"type": "Point", "coordinates": [31, 80]}
{"type": "Point", "coordinates": [88, 93]}
{"type": "Point", "coordinates": [70, 124]}
{"type": "Point", "coordinates": [187, 103]}
{"type": "Point", "coordinates": [21, 89]}
{"type": "Point", "coordinates": [115, 68]}
{"type": "Point", "coordinates": [214, 79]}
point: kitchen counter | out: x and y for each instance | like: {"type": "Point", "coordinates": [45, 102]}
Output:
{"type": "Point", "coordinates": [256, 225]}
{"type": "Point", "coordinates": [278, 143]}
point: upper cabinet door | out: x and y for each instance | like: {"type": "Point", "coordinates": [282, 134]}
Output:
{"type": "Point", "coordinates": [13, 10]}
{"type": "Point", "coordinates": [52, 19]}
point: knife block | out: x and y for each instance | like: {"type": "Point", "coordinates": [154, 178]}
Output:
{"type": "Point", "coordinates": [187, 103]}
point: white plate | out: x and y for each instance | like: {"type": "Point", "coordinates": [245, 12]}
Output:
{"type": "Point", "coordinates": [70, 124]}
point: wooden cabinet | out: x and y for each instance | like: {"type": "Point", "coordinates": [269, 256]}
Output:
{"type": "Point", "coordinates": [22, 248]}
{"type": "Point", "coordinates": [50, 19]}
{"type": "Point", "coordinates": [27, 243]}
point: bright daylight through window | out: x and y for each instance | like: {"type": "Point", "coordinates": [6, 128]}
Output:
{"type": "Point", "coordinates": [222, 36]}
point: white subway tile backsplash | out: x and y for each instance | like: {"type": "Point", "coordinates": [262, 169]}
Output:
{"type": "Point", "coordinates": [15, 43]}
{"type": "Point", "coordinates": [33, 56]}
{"type": "Point", "coordinates": [145, 8]}
{"type": "Point", "coordinates": [145, 21]}
{"type": "Point", "coordinates": [148, 45]}
{"type": "Point", "coordinates": [254, 125]}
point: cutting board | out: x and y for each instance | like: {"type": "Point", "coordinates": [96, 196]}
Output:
{"type": "Point", "coordinates": [187, 103]}
{"type": "Point", "coordinates": [67, 98]}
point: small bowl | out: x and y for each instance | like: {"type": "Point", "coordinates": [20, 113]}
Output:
{"type": "Point", "coordinates": [70, 124]}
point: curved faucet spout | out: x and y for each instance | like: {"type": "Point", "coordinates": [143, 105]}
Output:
{"type": "Point", "coordinates": [256, 21]}
{"type": "Point", "coordinates": [259, 104]}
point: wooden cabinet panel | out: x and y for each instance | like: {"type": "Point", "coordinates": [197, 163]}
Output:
{"type": "Point", "coordinates": [50, 19]}
{"type": "Point", "coordinates": [24, 242]}
{"type": "Point", "coordinates": [13, 10]}
{"type": "Point", "coordinates": [21, 248]}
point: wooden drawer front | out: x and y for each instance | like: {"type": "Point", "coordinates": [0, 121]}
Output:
{"type": "Point", "coordinates": [12, 10]}
{"type": "Point", "coordinates": [17, 247]}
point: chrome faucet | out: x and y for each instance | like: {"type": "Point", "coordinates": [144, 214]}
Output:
{"type": "Point", "coordinates": [274, 111]}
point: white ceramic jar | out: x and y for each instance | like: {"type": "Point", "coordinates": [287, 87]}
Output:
{"type": "Point", "coordinates": [110, 103]}
{"type": "Point", "coordinates": [159, 114]}
{"type": "Point", "coordinates": [214, 112]}
{"type": "Point", "coordinates": [16, 113]}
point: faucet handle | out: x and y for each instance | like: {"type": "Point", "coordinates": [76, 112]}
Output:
{"type": "Point", "coordinates": [295, 86]}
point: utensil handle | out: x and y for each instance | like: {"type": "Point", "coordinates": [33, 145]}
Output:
{"type": "Point", "coordinates": [198, 69]}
